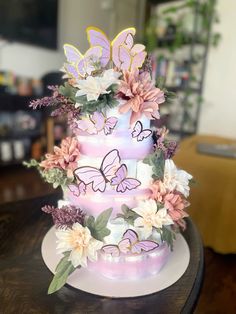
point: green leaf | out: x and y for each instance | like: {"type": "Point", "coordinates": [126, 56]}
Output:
{"type": "Point", "coordinates": [127, 214]}
{"type": "Point", "coordinates": [102, 219]}
{"type": "Point", "coordinates": [157, 161]}
{"type": "Point", "coordinates": [168, 236]}
{"type": "Point", "coordinates": [63, 270]}
{"type": "Point", "coordinates": [98, 227]}
{"type": "Point", "coordinates": [68, 91]}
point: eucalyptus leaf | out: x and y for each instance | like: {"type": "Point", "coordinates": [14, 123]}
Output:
{"type": "Point", "coordinates": [63, 270]}
{"type": "Point", "coordinates": [168, 236]}
{"type": "Point", "coordinates": [157, 161]}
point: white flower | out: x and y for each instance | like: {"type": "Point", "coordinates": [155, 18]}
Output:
{"type": "Point", "coordinates": [79, 241]}
{"type": "Point", "coordinates": [94, 86]}
{"type": "Point", "coordinates": [175, 179]}
{"type": "Point", "coordinates": [150, 217]}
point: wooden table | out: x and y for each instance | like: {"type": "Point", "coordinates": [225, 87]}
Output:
{"type": "Point", "coordinates": [24, 278]}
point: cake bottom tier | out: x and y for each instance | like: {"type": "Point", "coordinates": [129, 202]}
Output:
{"type": "Point", "coordinates": [132, 267]}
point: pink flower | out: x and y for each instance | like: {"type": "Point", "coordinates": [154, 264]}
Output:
{"type": "Point", "coordinates": [64, 157]}
{"type": "Point", "coordinates": [141, 94]}
{"type": "Point", "coordinates": [173, 201]}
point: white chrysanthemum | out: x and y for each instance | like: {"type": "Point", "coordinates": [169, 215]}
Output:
{"type": "Point", "coordinates": [150, 217]}
{"type": "Point", "coordinates": [94, 86]}
{"type": "Point", "coordinates": [175, 179]}
{"type": "Point", "coordinates": [79, 241]}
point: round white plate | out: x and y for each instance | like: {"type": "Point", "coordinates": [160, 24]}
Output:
{"type": "Point", "coordinates": [96, 284]}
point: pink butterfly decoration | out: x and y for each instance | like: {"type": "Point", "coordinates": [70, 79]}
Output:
{"type": "Point", "coordinates": [96, 123]}
{"type": "Point", "coordinates": [77, 190]}
{"type": "Point", "coordinates": [122, 51]}
{"type": "Point", "coordinates": [129, 244]}
{"type": "Point", "coordinates": [122, 182]}
{"type": "Point", "coordinates": [140, 133]}
{"type": "Point", "coordinates": [99, 177]}
{"type": "Point", "coordinates": [79, 65]}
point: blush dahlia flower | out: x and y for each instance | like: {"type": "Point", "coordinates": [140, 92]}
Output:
{"type": "Point", "coordinates": [172, 201]}
{"type": "Point", "coordinates": [141, 94]}
{"type": "Point", "coordinates": [64, 157]}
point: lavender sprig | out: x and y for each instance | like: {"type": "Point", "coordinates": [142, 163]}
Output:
{"type": "Point", "coordinates": [166, 146]}
{"type": "Point", "coordinates": [54, 100]}
{"type": "Point", "coordinates": [65, 216]}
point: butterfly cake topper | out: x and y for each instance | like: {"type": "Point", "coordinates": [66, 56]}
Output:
{"type": "Point", "coordinates": [97, 122]}
{"type": "Point", "coordinates": [111, 170]}
{"type": "Point", "coordinates": [121, 51]}
{"type": "Point", "coordinates": [129, 244]}
{"type": "Point", "coordinates": [139, 132]}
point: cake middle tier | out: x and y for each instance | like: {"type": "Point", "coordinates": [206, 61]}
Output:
{"type": "Point", "coordinates": [93, 203]}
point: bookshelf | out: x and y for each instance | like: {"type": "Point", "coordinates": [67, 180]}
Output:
{"type": "Point", "coordinates": [23, 132]}
{"type": "Point", "coordinates": [180, 54]}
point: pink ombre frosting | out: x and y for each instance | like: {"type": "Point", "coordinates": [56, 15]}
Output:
{"type": "Point", "coordinates": [129, 148]}
{"type": "Point", "coordinates": [131, 267]}
{"type": "Point", "coordinates": [95, 202]}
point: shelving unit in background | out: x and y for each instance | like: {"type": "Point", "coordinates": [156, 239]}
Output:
{"type": "Point", "coordinates": [188, 87]}
{"type": "Point", "coordinates": [23, 132]}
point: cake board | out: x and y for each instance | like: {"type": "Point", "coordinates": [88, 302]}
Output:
{"type": "Point", "coordinates": [93, 283]}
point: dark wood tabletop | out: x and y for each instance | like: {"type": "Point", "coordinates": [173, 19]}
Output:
{"type": "Point", "coordinates": [24, 278]}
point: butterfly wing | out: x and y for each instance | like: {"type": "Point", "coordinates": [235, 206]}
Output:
{"type": "Point", "coordinates": [97, 37]}
{"type": "Point", "coordinates": [91, 175]}
{"type": "Point", "coordinates": [112, 250]}
{"type": "Point", "coordinates": [77, 190]}
{"type": "Point", "coordinates": [145, 246]}
{"type": "Point", "coordinates": [131, 235]}
{"type": "Point", "coordinates": [110, 164]}
{"type": "Point", "coordinates": [74, 189]}
{"type": "Point", "coordinates": [72, 54]}
{"type": "Point", "coordinates": [137, 129]}
{"type": "Point", "coordinates": [87, 125]}
{"type": "Point", "coordinates": [128, 184]}
{"type": "Point", "coordinates": [124, 246]}
{"type": "Point", "coordinates": [110, 124]}
{"type": "Point", "coordinates": [119, 175]}
{"type": "Point", "coordinates": [98, 119]}
{"type": "Point", "coordinates": [125, 58]}
{"type": "Point", "coordinates": [137, 60]}
{"type": "Point", "coordinates": [124, 39]}
{"type": "Point", "coordinates": [71, 70]}
{"type": "Point", "coordinates": [87, 64]}
{"type": "Point", "coordinates": [144, 134]}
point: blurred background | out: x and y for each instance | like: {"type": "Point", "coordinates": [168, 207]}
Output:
{"type": "Point", "coordinates": [192, 49]}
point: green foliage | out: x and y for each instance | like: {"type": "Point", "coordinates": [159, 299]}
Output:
{"type": "Point", "coordinates": [127, 214]}
{"type": "Point", "coordinates": [31, 163]}
{"type": "Point", "coordinates": [157, 162]}
{"type": "Point", "coordinates": [104, 101]}
{"type": "Point", "coordinates": [68, 91]}
{"type": "Point", "coordinates": [63, 270]}
{"type": "Point", "coordinates": [98, 226]}
{"type": "Point", "coordinates": [56, 177]}
{"type": "Point", "coordinates": [168, 236]}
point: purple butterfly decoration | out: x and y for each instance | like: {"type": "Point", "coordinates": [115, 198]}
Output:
{"type": "Point", "coordinates": [99, 177]}
{"type": "Point", "coordinates": [96, 123]}
{"type": "Point", "coordinates": [129, 244]}
{"type": "Point", "coordinates": [122, 182]}
{"type": "Point", "coordinates": [139, 132]}
{"type": "Point", "coordinates": [77, 190]}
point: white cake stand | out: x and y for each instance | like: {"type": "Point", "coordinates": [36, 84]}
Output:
{"type": "Point", "coordinates": [94, 283]}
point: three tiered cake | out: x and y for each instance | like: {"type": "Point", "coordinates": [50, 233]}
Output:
{"type": "Point", "coordinates": [124, 198]}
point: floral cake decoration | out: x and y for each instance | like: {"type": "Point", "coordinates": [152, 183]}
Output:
{"type": "Point", "coordinates": [94, 82]}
